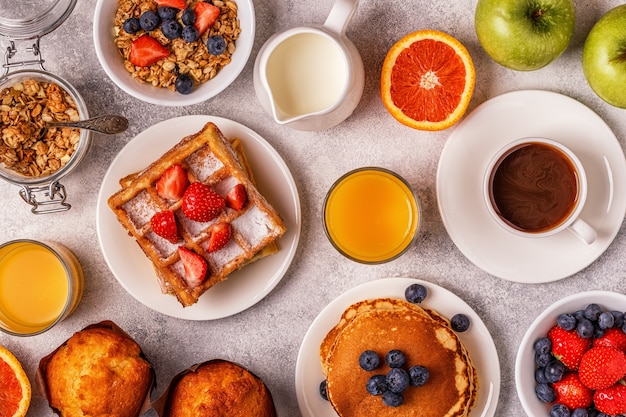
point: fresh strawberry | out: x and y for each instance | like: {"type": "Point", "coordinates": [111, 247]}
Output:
{"type": "Point", "coordinates": [602, 367]}
{"type": "Point", "coordinates": [220, 236]}
{"type": "Point", "coordinates": [571, 392]}
{"type": "Point", "coordinates": [200, 203]}
{"type": "Point", "coordinates": [195, 266]}
{"type": "Point", "coordinates": [173, 183]}
{"type": "Point", "coordinates": [568, 346]}
{"type": "Point", "coordinates": [611, 400]}
{"type": "Point", "coordinates": [206, 15]}
{"type": "Point", "coordinates": [237, 197]}
{"type": "Point", "coordinates": [145, 51]}
{"type": "Point", "coordinates": [177, 4]}
{"type": "Point", "coordinates": [614, 338]}
{"type": "Point", "coordinates": [163, 224]}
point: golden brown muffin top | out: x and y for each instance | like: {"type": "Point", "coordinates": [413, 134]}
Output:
{"type": "Point", "coordinates": [98, 372]}
{"type": "Point", "coordinates": [219, 388]}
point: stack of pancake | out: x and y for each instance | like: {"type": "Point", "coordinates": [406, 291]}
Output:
{"type": "Point", "coordinates": [425, 338]}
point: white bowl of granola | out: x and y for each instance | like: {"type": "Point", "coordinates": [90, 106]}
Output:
{"type": "Point", "coordinates": [151, 71]}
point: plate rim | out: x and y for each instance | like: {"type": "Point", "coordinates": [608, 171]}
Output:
{"type": "Point", "coordinates": [548, 318]}
{"type": "Point", "coordinates": [391, 287]}
{"type": "Point", "coordinates": [589, 253]}
{"type": "Point", "coordinates": [291, 246]}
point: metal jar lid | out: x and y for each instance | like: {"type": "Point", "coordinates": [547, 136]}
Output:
{"type": "Point", "coordinates": [30, 19]}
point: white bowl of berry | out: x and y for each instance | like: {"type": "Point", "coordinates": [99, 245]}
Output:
{"type": "Point", "coordinates": [173, 52]}
{"type": "Point", "coordinates": [572, 359]}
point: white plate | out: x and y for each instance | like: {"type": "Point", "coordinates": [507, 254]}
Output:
{"type": "Point", "coordinates": [464, 160]}
{"type": "Point", "coordinates": [477, 340]}
{"type": "Point", "coordinates": [525, 360]}
{"type": "Point", "coordinates": [245, 287]}
{"type": "Point", "coordinates": [113, 64]}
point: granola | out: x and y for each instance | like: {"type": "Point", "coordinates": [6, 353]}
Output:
{"type": "Point", "coordinates": [25, 107]}
{"type": "Point", "coordinates": [192, 58]}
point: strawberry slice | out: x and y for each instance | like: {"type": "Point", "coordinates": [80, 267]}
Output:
{"type": "Point", "coordinates": [163, 224]}
{"type": "Point", "coordinates": [220, 236]}
{"type": "Point", "coordinates": [177, 4]}
{"type": "Point", "coordinates": [200, 203]}
{"type": "Point", "coordinates": [206, 15]}
{"type": "Point", "coordinates": [145, 51]}
{"type": "Point", "coordinates": [237, 197]}
{"type": "Point", "coordinates": [173, 183]}
{"type": "Point", "coordinates": [195, 266]}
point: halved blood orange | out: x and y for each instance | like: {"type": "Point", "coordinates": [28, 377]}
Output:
{"type": "Point", "coordinates": [15, 391]}
{"type": "Point", "coordinates": [427, 80]}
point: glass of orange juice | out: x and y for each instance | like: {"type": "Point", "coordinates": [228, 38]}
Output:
{"type": "Point", "coordinates": [40, 285]}
{"type": "Point", "coordinates": [371, 215]}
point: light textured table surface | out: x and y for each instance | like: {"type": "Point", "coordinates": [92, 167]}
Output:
{"type": "Point", "coordinates": [267, 336]}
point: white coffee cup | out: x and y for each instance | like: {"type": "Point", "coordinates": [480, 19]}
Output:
{"type": "Point", "coordinates": [537, 187]}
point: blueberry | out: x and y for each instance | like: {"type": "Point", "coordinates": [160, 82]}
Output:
{"type": "Point", "coordinates": [580, 412]}
{"type": "Point", "coordinates": [554, 371]}
{"type": "Point", "coordinates": [592, 311]}
{"type": "Point", "coordinates": [323, 391]}
{"type": "Point", "coordinates": [559, 410]}
{"type": "Point", "coordinates": [579, 314]}
{"type": "Point", "coordinates": [216, 45]}
{"type": "Point", "coordinates": [395, 358]}
{"type": "Point", "coordinates": [369, 360]}
{"type": "Point", "coordinates": [584, 328]}
{"type": "Point", "coordinates": [188, 17]}
{"type": "Point", "coordinates": [189, 34]}
{"type": "Point", "coordinates": [597, 331]}
{"type": "Point", "coordinates": [566, 321]}
{"type": "Point", "coordinates": [167, 13]}
{"type": "Point", "coordinates": [376, 385]}
{"type": "Point", "coordinates": [418, 375]}
{"type": "Point", "coordinates": [606, 320]}
{"type": "Point", "coordinates": [542, 345]}
{"type": "Point", "coordinates": [398, 380]}
{"type": "Point", "coordinates": [131, 25]}
{"type": "Point", "coordinates": [171, 29]}
{"type": "Point", "coordinates": [540, 376]}
{"type": "Point", "coordinates": [415, 293]}
{"type": "Point", "coordinates": [149, 20]}
{"type": "Point", "coordinates": [460, 322]}
{"type": "Point", "coordinates": [542, 359]}
{"type": "Point", "coordinates": [618, 318]}
{"type": "Point", "coordinates": [545, 393]}
{"type": "Point", "coordinates": [184, 84]}
{"type": "Point", "coordinates": [392, 399]}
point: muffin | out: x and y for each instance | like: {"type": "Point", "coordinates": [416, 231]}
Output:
{"type": "Point", "coordinates": [99, 371]}
{"type": "Point", "coordinates": [219, 388]}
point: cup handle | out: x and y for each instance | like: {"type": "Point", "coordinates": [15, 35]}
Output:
{"type": "Point", "coordinates": [340, 15]}
{"type": "Point", "coordinates": [583, 231]}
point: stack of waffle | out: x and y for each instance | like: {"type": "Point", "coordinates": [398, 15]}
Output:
{"type": "Point", "coordinates": [210, 158]}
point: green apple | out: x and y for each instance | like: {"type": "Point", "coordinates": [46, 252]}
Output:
{"type": "Point", "coordinates": [604, 57]}
{"type": "Point", "coordinates": [524, 35]}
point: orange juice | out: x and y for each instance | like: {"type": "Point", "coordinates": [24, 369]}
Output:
{"type": "Point", "coordinates": [371, 215]}
{"type": "Point", "coordinates": [38, 286]}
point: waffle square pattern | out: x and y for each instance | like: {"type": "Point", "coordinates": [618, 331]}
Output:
{"type": "Point", "coordinates": [211, 159]}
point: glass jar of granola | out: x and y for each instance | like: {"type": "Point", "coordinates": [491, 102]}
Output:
{"type": "Point", "coordinates": [30, 157]}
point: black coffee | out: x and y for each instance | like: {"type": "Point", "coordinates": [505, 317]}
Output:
{"type": "Point", "coordinates": [534, 188]}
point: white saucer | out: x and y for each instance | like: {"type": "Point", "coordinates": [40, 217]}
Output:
{"type": "Point", "coordinates": [243, 288]}
{"type": "Point", "coordinates": [464, 160]}
{"type": "Point", "coordinates": [477, 340]}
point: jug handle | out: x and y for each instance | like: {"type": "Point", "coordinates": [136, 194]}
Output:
{"type": "Point", "coordinates": [340, 15]}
